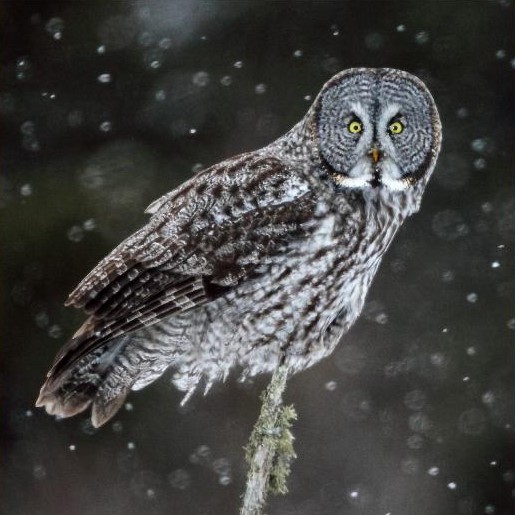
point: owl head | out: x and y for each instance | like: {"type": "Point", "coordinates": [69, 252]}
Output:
{"type": "Point", "coordinates": [377, 129]}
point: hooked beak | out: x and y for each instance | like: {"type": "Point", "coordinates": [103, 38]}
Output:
{"type": "Point", "coordinates": [376, 179]}
{"type": "Point", "coordinates": [374, 152]}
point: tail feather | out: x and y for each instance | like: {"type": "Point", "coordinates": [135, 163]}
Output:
{"type": "Point", "coordinates": [104, 408]}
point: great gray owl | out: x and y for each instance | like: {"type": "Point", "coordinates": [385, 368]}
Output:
{"type": "Point", "coordinates": [261, 260]}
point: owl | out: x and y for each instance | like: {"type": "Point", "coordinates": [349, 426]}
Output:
{"type": "Point", "coordinates": [262, 260]}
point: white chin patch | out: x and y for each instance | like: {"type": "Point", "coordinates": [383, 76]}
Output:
{"type": "Point", "coordinates": [395, 184]}
{"type": "Point", "coordinates": [391, 175]}
{"type": "Point", "coordinates": [361, 175]}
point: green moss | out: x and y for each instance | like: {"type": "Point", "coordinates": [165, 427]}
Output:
{"type": "Point", "coordinates": [272, 431]}
{"type": "Point", "coordinates": [284, 452]}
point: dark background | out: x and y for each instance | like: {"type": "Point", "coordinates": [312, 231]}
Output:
{"type": "Point", "coordinates": [413, 413]}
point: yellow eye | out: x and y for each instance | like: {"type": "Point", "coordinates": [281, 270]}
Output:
{"type": "Point", "coordinates": [396, 127]}
{"type": "Point", "coordinates": [355, 127]}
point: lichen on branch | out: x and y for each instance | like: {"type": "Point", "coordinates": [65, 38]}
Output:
{"type": "Point", "coordinates": [269, 452]}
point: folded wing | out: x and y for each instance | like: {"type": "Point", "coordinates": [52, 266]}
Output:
{"type": "Point", "coordinates": [218, 229]}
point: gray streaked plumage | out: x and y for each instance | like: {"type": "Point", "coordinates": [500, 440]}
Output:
{"type": "Point", "coordinates": [262, 259]}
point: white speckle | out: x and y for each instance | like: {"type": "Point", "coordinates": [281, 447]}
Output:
{"type": "Point", "coordinates": [500, 247]}
{"type": "Point", "coordinates": [26, 190]}
{"type": "Point", "coordinates": [495, 264]}
{"type": "Point", "coordinates": [55, 27]}
{"type": "Point", "coordinates": [479, 163]}
{"type": "Point", "coordinates": [28, 413]}
{"type": "Point", "coordinates": [452, 485]}
{"type": "Point", "coordinates": [42, 319]}
{"type": "Point", "coordinates": [101, 49]}
{"type": "Point", "coordinates": [201, 79]}
{"type": "Point", "coordinates": [433, 471]}
{"type": "Point", "coordinates": [39, 471]}
{"type": "Point", "coordinates": [308, 98]}
{"type": "Point", "coordinates": [437, 359]}
{"type": "Point", "coordinates": [488, 398]}
{"type": "Point", "coordinates": [22, 64]}
{"type": "Point", "coordinates": [298, 53]}
{"type": "Point", "coordinates": [466, 379]}
{"type": "Point", "coordinates": [30, 142]}
{"type": "Point", "coordinates": [500, 54]}
{"type": "Point", "coordinates": [55, 331]}
{"type": "Point", "coordinates": [331, 386]}
{"type": "Point", "coordinates": [472, 298]}
{"type": "Point", "coordinates": [448, 276]}
{"type": "Point", "coordinates": [489, 509]}
{"type": "Point", "coordinates": [481, 145]}
{"type": "Point", "coordinates": [153, 58]}
{"type": "Point", "coordinates": [226, 80]}
{"type": "Point", "coordinates": [106, 126]}
{"type": "Point", "coordinates": [160, 95]}
{"type": "Point", "coordinates": [335, 31]}
{"type": "Point", "coordinates": [510, 324]}
{"type": "Point", "coordinates": [493, 463]}
{"type": "Point", "coordinates": [222, 467]}
{"type": "Point", "coordinates": [89, 224]}
{"type": "Point", "coordinates": [471, 351]}
{"type": "Point", "coordinates": [445, 330]}
{"type": "Point", "coordinates": [193, 131]}
{"type": "Point", "coordinates": [422, 37]}
{"type": "Point", "coordinates": [401, 28]}
{"type": "Point", "coordinates": [145, 39]}
{"type": "Point", "coordinates": [75, 233]}
{"type": "Point", "coordinates": [260, 89]}
{"type": "Point", "coordinates": [72, 447]}
{"type": "Point", "coordinates": [487, 207]}
{"type": "Point", "coordinates": [104, 78]}
{"type": "Point", "coordinates": [354, 494]}
{"type": "Point", "coordinates": [381, 318]}
{"type": "Point", "coordinates": [238, 64]}
{"type": "Point", "coordinates": [28, 128]}
{"type": "Point", "coordinates": [131, 446]}
{"type": "Point", "coordinates": [23, 67]}
{"type": "Point", "coordinates": [201, 455]}
{"type": "Point", "coordinates": [129, 406]}
{"type": "Point", "coordinates": [225, 480]}
{"type": "Point", "coordinates": [165, 43]}
{"type": "Point", "coordinates": [462, 112]}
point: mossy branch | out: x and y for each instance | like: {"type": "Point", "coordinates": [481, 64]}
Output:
{"type": "Point", "coordinates": [269, 452]}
